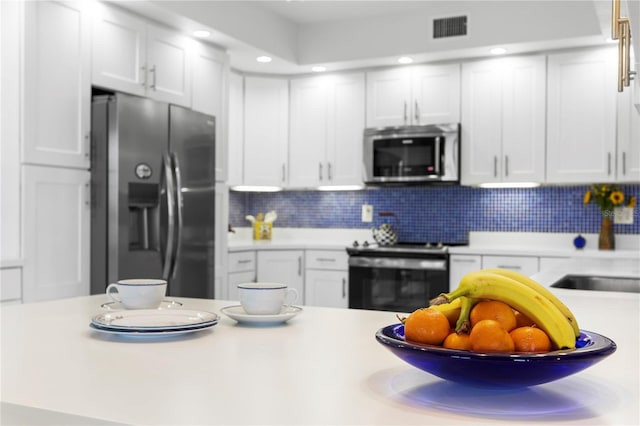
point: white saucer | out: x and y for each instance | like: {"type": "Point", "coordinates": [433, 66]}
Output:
{"type": "Point", "coordinates": [117, 306]}
{"type": "Point", "coordinates": [237, 313]}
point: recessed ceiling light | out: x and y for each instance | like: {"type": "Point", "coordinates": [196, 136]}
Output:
{"type": "Point", "coordinates": [263, 59]}
{"type": "Point", "coordinates": [318, 69]}
{"type": "Point", "coordinates": [405, 60]}
{"type": "Point", "coordinates": [498, 51]}
{"type": "Point", "coordinates": [201, 33]}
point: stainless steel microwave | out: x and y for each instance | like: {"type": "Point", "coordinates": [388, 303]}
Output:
{"type": "Point", "coordinates": [412, 154]}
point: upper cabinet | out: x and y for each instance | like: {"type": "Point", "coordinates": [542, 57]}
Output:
{"type": "Point", "coordinates": [628, 149]}
{"type": "Point", "coordinates": [133, 56]}
{"type": "Point", "coordinates": [503, 120]}
{"type": "Point", "coordinates": [57, 89]}
{"type": "Point", "coordinates": [417, 95]}
{"type": "Point", "coordinates": [581, 117]}
{"type": "Point", "coordinates": [266, 109]}
{"type": "Point", "coordinates": [326, 123]}
{"type": "Point", "coordinates": [235, 130]}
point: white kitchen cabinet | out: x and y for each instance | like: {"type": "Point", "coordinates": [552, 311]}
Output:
{"type": "Point", "coordinates": [460, 265]}
{"type": "Point", "coordinates": [282, 266]}
{"type": "Point", "coordinates": [56, 233]}
{"type": "Point", "coordinates": [416, 95]}
{"type": "Point", "coordinates": [266, 109]}
{"type": "Point", "coordinates": [551, 262]}
{"type": "Point", "coordinates": [10, 80]}
{"type": "Point", "coordinates": [503, 120]}
{"type": "Point", "coordinates": [139, 57]}
{"type": "Point", "coordinates": [235, 152]}
{"type": "Point", "coordinates": [327, 278]}
{"type": "Point", "coordinates": [327, 119]}
{"type": "Point", "coordinates": [10, 285]}
{"type": "Point", "coordinates": [526, 265]}
{"type": "Point", "coordinates": [57, 84]}
{"type": "Point", "coordinates": [221, 237]}
{"type": "Point", "coordinates": [242, 269]}
{"type": "Point", "coordinates": [628, 148]}
{"type": "Point", "coordinates": [210, 94]}
{"type": "Point", "coordinates": [581, 117]}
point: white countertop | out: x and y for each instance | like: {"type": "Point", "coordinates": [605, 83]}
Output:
{"type": "Point", "coordinates": [323, 367]}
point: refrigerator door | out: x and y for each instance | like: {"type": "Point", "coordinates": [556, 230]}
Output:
{"type": "Point", "coordinates": [192, 148]}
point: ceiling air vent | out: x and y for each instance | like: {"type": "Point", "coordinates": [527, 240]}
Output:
{"type": "Point", "coordinates": [450, 27]}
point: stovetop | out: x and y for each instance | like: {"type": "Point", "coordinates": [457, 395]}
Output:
{"type": "Point", "coordinates": [401, 247]}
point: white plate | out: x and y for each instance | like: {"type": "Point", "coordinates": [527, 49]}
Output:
{"type": "Point", "coordinates": [237, 313]}
{"type": "Point", "coordinates": [151, 333]}
{"type": "Point", "coordinates": [154, 319]}
{"type": "Point", "coordinates": [117, 306]}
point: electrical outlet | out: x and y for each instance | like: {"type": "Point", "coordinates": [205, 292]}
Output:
{"type": "Point", "coordinates": [367, 213]}
{"type": "Point", "coordinates": [623, 215]}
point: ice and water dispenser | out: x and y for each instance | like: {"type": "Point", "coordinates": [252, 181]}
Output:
{"type": "Point", "coordinates": [144, 201]}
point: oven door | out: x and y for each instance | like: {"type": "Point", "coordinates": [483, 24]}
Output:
{"type": "Point", "coordinates": [395, 284]}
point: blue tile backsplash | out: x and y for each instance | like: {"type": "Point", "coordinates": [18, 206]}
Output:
{"type": "Point", "coordinates": [435, 213]}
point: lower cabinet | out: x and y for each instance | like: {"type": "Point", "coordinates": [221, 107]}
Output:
{"type": "Point", "coordinates": [241, 267]}
{"type": "Point", "coordinates": [57, 214]}
{"type": "Point", "coordinates": [327, 278]}
{"type": "Point", "coordinates": [10, 286]}
{"type": "Point", "coordinates": [460, 265]}
{"type": "Point", "coordinates": [282, 266]}
{"type": "Point", "coordinates": [526, 265]}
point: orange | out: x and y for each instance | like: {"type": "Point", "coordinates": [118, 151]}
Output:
{"type": "Point", "coordinates": [489, 336]}
{"type": "Point", "coordinates": [457, 341]}
{"type": "Point", "coordinates": [494, 310]}
{"type": "Point", "coordinates": [426, 326]}
{"type": "Point", "coordinates": [522, 320]}
{"type": "Point", "coordinates": [530, 339]}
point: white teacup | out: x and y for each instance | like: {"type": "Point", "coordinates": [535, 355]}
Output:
{"type": "Point", "coordinates": [138, 293]}
{"type": "Point", "coordinates": [265, 298]}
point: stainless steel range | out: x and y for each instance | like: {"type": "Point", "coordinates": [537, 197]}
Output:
{"type": "Point", "coordinates": [401, 278]}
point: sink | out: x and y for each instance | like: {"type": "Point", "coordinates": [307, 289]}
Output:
{"type": "Point", "coordinates": [599, 283]}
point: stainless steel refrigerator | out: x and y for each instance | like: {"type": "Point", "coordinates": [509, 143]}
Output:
{"type": "Point", "coordinates": [153, 194]}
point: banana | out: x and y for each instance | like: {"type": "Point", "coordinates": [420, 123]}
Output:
{"type": "Point", "coordinates": [486, 285]}
{"type": "Point", "coordinates": [450, 310]}
{"type": "Point", "coordinates": [523, 279]}
{"type": "Point", "coordinates": [463, 325]}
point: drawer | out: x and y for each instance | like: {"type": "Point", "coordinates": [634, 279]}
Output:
{"type": "Point", "coordinates": [526, 265]}
{"type": "Point", "coordinates": [10, 284]}
{"type": "Point", "coordinates": [241, 261]}
{"type": "Point", "coordinates": [336, 260]}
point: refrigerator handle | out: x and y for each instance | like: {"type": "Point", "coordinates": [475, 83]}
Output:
{"type": "Point", "coordinates": [179, 212]}
{"type": "Point", "coordinates": [171, 225]}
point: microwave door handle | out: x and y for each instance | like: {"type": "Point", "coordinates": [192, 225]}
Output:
{"type": "Point", "coordinates": [438, 156]}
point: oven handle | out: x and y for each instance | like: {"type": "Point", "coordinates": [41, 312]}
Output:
{"type": "Point", "coordinates": [398, 263]}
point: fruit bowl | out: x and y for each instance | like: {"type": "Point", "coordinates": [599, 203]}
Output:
{"type": "Point", "coordinates": [497, 370]}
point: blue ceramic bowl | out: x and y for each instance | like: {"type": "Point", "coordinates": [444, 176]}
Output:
{"type": "Point", "coordinates": [497, 370]}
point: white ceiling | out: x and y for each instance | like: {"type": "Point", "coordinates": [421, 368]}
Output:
{"type": "Point", "coordinates": [355, 34]}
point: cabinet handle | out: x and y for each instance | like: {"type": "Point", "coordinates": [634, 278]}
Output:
{"type": "Point", "coordinates": [464, 260]}
{"type": "Point", "coordinates": [326, 259]}
{"type": "Point", "coordinates": [344, 288]}
{"type": "Point", "coordinates": [512, 267]}
{"type": "Point", "coordinates": [416, 113]}
{"type": "Point", "coordinates": [284, 172]}
{"type": "Point", "coordinates": [624, 163]}
{"type": "Point", "coordinates": [299, 266]}
{"type": "Point", "coordinates": [144, 74]}
{"type": "Point", "coordinates": [609, 164]}
{"type": "Point", "coordinates": [154, 72]}
{"type": "Point", "coordinates": [495, 166]}
{"type": "Point", "coordinates": [329, 171]}
{"type": "Point", "coordinates": [87, 194]}
{"type": "Point", "coordinates": [243, 261]}
{"type": "Point", "coordinates": [506, 165]}
{"type": "Point", "coordinates": [87, 145]}
{"type": "Point", "coordinates": [320, 171]}
{"type": "Point", "coordinates": [405, 112]}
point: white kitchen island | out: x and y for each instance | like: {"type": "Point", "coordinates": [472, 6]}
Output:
{"type": "Point", "coordinates": [323, 367]}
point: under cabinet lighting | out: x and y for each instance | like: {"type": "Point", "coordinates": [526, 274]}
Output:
{"type": "Point", "coordinates": [509, 185]}
{"type": "Point", "coordinates": [201, 33]}
{"type": "Point", "coordinates": [340, 188]}
{"type": "Point", "coordinates": [264, 59]}
{"type": "Point", "coordinates": [405, 60]}
{"type": "Point", "coordinates": [251, 188]}
{"type": "Point", "coordinates": [318, 69]}
{"type": "Point", "coordinates": [498, 51]}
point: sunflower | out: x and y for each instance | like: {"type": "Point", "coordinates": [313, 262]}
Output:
{"type": "Point", "coordinates": [607, 197]}
{"type": "Point", "coordinates": [587, 197]}
{"type": "Point", "coordinates": [616, 197]}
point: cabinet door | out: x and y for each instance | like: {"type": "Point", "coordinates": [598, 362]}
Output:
{"type": "Point", "coordinates": [436, 94]}
{"type": "Point", "coordinates": [210, 96]}
{"type": "Point", "coordinates": [388, 97]}
{"type": "Point", "coordinates": [282, 266]}
{"type": "Point", "coordinates": [628, 161]}
{"type": "Point", "coordinates": [238, 278]}
{"type": "Point", "coordinates": [327, 288]}
{"type": "Point", "coordinates": [309, 126]}
{"type": "Point", "coordinates": [56, 233]}
{"type": "Point", "coordinates": [481, 122]}
{"type": "Point", "coordinates": [581, 117]}
{"type": "Point", "coordinates": [119, 51]}
{"type": "Point", "coordinates": [168, 66]}
{"type": "Point", "coordinates": [460, 265]}
{"type": "Point", "coordinates": [221, 232]}
{"type": "Point", "coordinates": [57, 95]}
{"type": "Point", "coordinates": [346, 116]}
{"type": "Point", "coordinates": [235, 130]}
{"type": "Point", "coordinates": [266, 108]}
{"type": "Point", "coordinates": [523, 120]}
{"type": "Point", "coordinates": [527, 265]}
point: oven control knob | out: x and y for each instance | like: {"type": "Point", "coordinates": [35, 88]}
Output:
{"type": "Point", "coordinates": [440, 245]}
{"type": "Point", "coordinates": [355, 243]}
{"type": "Point", "coordinates": [365, 244]}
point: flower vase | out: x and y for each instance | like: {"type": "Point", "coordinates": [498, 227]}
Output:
{"type": "Point", "coordinates": [606, 239]}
